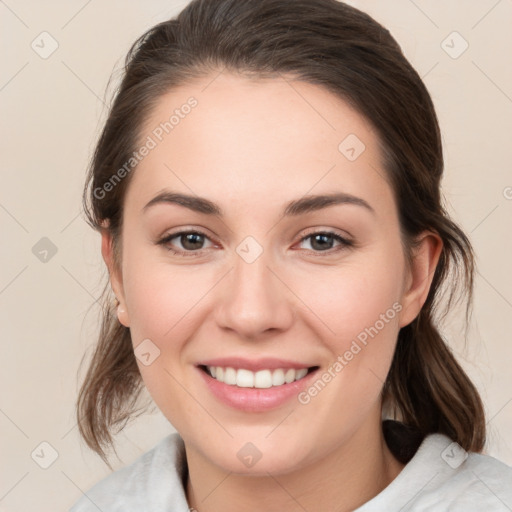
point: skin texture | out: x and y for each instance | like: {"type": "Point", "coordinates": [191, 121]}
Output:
{"type": "Point", "coordinates": [251, 146]}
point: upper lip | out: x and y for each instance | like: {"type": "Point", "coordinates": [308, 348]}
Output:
{"type": "Point", "coordinates": [254, 365]}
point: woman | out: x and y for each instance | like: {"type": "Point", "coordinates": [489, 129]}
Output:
{"type": "Point", "coordinates": [267, 189]}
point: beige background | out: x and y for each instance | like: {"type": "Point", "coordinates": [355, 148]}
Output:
{"type": "Point", "coordinates": [51, 111]}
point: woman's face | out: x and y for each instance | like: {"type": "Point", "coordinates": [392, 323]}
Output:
{"type": "Point", "coordinates": [263, 287]}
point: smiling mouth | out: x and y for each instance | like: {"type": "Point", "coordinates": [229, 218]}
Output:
{"type": "Point", "coordinates": [262, 379]}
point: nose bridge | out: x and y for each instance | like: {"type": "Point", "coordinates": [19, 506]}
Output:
{"type": "Point", "coordinates": [255, 300]}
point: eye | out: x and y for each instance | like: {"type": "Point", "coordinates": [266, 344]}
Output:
{"type": "Point", "coordinates": [191, 242]}
{"type": "Point", "coordinates": [323, 241]}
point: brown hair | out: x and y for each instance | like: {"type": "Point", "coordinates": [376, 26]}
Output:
{"type": "Point", "coordinates": [344, 50]}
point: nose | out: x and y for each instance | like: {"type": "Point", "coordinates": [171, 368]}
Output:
{"type": "Point", "coordinates": [255, 299]}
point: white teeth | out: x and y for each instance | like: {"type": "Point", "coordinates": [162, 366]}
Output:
{"type": "Point", "coordinates": [261, 379]}
{"type": "Point", "coordinates": [230, 376]}
{"type": "Point", "coordinates": [277, 377]}
{"type": "Point", "coordinates": [289, 376]}
{"type": "Point", "coordinates": [301, 373]}
{"type": "Point", "coordinates": [244, 379]}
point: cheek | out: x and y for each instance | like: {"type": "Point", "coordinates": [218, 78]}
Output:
{"type": "Point", "coordinates": [159, 296]}
{"type": "Point", "coordinates": [351, 308]}
{"type": "Point", "coordinates": [359, 308]}
{"type": "Point", "coordinates": [163, 303]}
{"type": "Point", "coordinates": [341, 302]}
{"type": "Point", "coordinates": [357, 296]}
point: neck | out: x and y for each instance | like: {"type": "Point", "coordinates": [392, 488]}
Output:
{"type": "Point", "coordinates": [348, 477]}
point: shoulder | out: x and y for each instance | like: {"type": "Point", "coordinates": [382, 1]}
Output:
{"type": "Point", "coordinates": [152, 482]}
{"type": "Point", "coordinates": [442, 476]}
{"type": "Point", "coordinates": [476, 481]}
{"type": "Point", "coordinates": [479, 481]}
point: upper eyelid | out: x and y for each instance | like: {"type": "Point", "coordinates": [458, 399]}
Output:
{"type": "Point", "coordinates": [170, 236]}
{"type": "Point", "coordinates": [303, 236]}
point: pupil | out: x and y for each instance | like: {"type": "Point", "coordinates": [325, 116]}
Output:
{"type": "Point", "coordinates": [319, 240]}
{"type": "Point", "coordinates": [191, 238]}
{"type": "Point", "coordinates": [322, 245]}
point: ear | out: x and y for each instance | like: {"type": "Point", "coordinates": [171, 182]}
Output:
{"type": "Point", "coordinates": [420, 275]}
{"type": "Point", "coordinates": [115, 275]}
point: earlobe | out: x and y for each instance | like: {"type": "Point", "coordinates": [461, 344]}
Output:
{"type": "Point", "coordinates": [122, 315]}
{"type": "Point", "coordinates": [420, 275]}
{"type": "Point", "coordinates": [115, 277]}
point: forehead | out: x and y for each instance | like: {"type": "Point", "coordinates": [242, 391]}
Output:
{"type": "Point", "coordinates": [237, 139]}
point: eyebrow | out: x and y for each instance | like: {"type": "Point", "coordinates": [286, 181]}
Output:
{"type": "Point", "coordinates": [296, 207]}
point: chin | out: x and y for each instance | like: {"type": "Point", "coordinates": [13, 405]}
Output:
{"type": "Point", "coordinates": [258, 457]}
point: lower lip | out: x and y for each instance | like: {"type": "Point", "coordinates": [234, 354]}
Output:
{"type": "Point", "coordinates": [255, 399]}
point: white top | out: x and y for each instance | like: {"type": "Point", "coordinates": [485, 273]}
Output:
{"type": "Point", "coordinates": [440, 477]}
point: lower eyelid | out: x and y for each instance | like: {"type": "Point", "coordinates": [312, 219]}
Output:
{"type": "Point", "coordinates": [167, 239]}
{"type": "Point", "coordinates": [343, 242]}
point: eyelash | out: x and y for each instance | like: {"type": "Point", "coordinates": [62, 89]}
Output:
{"type": "Point", "coordinates": [345, 244]}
